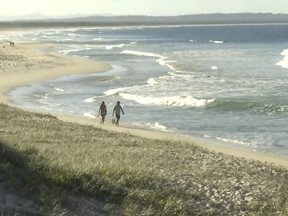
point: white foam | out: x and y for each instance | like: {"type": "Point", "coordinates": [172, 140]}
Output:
{"type": "Point", "coordinates": [233, 141]}
{"type": "Point", "coordinates": [139, 53]}
{"type": "Point", "coordinates": [181, 74]}
{"type": "Point", "coordinates": [65, 39]}
{"type": "Point", "coordinates": [90, 115]}
{"type": "Point", "coordinates": [284, 62]}
{"type": "Point", "coordinates": [41, 96]}
{"type": "Point", "coordinates": [115, 91]}
{"type": "Point", "coordinates": [214, 67]}
{"type": "Point", "coordinates": [216, 42]}
{"type": "Point", "coordinates": [160, 59]}
{"type": "Point", "coordinates": [152, 81]}
{"type": "Point", "coordinates": [88, 48]}
{"type": "Point", "coordinates": [47, 37]}
{"type": "Point", "coordinates": [66, 52]}
{"type": "Point", "coordinates": [155, 125]}
{"type": "Point", "coordinates": [163, 62]}
{"type": "Point", "coordinates": [59, 89]}
{"type": "Point", "coordinates": [176, 101]}
{"type": "Point", "coordinates": [110, 47]}
{"type": "Point", "coordinates": [158, 126]}
{"type": "Point", "coordinates": [90, 100]}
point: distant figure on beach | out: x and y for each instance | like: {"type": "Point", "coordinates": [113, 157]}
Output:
{"type": "Point", "coordinates": [103, 112]}
{"type": "Point", "coordinates": [12, 43]}
{"type": "Point", "coordinates": [117, 110]}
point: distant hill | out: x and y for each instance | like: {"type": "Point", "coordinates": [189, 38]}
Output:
{"type": "Point", "coordinates": [189, 19]}
{"type": "Point", "coordinates": [219, 18]}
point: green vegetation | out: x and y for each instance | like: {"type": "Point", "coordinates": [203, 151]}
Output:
{"type": "Point", "coordinates": [48, 161]}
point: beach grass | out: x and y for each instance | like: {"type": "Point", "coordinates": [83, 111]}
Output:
{"type": "Point", "coordinates": [47, 160]}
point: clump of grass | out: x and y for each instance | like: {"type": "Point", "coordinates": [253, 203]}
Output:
{"type": "Point", "coordinates": [142, 176]}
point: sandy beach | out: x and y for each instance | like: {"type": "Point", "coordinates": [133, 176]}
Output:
{"type": "Point", "coordinates": [224, 178]}
{"type": "Point", "coordinates": [23, 64]}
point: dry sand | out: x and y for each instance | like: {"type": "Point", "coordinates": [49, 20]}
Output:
{"type": "Point", "coordinates": [23, 64]}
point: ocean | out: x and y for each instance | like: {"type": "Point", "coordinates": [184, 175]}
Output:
{"type": "Point", "coordinates": [225, 83]}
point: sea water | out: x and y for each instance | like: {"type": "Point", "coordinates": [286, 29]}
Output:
{"type": "Point", "coordinates": [228, 83]}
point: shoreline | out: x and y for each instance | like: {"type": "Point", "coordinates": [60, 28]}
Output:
{"type": "Point", "coordinates": [23, 66]}
{"type": "Point", "coordinates": [247, 154]}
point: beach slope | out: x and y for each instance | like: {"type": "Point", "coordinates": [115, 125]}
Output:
{"type": "Point", "coordinates": [22, 64]}
{"type": "Point", "coordinates": [145, 172]}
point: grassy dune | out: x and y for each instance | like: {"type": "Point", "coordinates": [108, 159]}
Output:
{"type": "Point", "coordinates": [66, 169]}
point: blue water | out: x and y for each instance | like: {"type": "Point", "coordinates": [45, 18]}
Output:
{"type": "Point", "coordinates": [225, 83]}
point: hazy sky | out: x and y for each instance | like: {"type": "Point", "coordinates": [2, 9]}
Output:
{"type": "Point", "coordinates": [139, 7]}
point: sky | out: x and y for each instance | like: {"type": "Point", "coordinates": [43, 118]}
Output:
{"type": "Point", "coordinates": [139, 7]}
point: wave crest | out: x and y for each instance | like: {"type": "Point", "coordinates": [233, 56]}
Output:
{"type": "Point", "coordinates": [253, 107]}
{"type": "Point", "coordinates": [140, 53]}
{"type": "Point", "coordinates": [176, 101]}
{"type": "Point", "coordinates": [283, 63]}
{"type": "Point", "coordinates": [155, 125]}
{"type": "Point", "coordinates": [162, 60]}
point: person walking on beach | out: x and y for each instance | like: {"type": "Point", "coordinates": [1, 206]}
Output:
{"type": "Point", "coordinates": [103, 112]}
{"type": "Point", "coordinates": [117, 110]}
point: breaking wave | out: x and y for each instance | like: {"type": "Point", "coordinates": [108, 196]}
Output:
{"type": "Point", "coordinates": [155, 125]}
{"type": "Point", "coordinates": [252, 107]}
{"type": "Point", "coordinates": [284, 63]}
{"type": "Point", "coordinates": [162, 60]}
{"type": "Point", "coordinates": [176, 101]}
